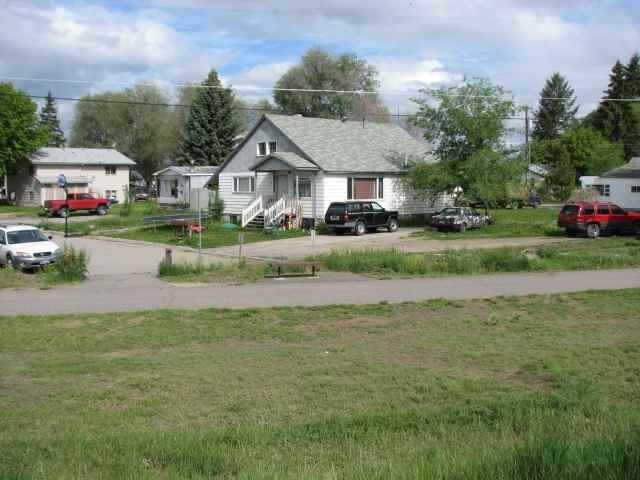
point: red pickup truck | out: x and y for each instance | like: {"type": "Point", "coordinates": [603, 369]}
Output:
{"type": "Point", "coordinates": [595, 218]}
{"type": "Point", "coordinates": [77, 202]}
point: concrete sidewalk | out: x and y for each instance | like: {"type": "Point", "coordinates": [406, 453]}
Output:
{"type": "Point", "coordinates": [143, 292]}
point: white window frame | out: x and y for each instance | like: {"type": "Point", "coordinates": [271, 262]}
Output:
{"type": "Point", "coordinates": [603, 189]}
{"type": "Point", "coordinates": [267, 148]}
{"type": "Point", "coordinates": [236, 184]}
{"type": "Point", "coordinates": [296, 186]}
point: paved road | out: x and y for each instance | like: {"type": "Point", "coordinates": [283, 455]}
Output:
{"type": "Point", "coordinates": [139, 292]}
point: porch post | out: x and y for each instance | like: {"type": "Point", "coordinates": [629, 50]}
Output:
{"type": "Point", "coordinates": [313, 195]}
{"type": "Point", "coordinates": [255, 183]}
{"type": "Point", "coordinates": [297, 188]}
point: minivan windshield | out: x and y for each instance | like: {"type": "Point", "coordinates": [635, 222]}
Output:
{"type": "Point", "coordinates": [26, 236]}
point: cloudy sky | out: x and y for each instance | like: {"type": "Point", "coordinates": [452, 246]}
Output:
{"type": "Point", "coordinates": [414, 43]}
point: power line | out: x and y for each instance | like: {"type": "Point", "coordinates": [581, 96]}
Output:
{"type": "Point", "coordinates": [181, 105]}
{"type": "Point", "coordinates": [425, 91]}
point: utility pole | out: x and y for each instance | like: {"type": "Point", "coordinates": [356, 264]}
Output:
{"type": "Point", "coordinates": [527, 153]}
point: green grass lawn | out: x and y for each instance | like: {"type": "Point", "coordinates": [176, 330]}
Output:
{"type": "Point", "coordinates": [615, 252]}
{"type": "Point", "coordinates": [544, 387]}
{"type": "Point", "coordinates": [17, 211]}
{"type": "Point", "coordinates": [231, 272]}
{"type": "Point", "coordinates": [527, 222]}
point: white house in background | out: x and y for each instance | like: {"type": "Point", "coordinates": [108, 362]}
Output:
{"type": "Point", "coordinates": [620, 185]}
{"type": "Point", "coordinates": [100, 171]}
{"type": "Point", "coordinates": [175, 184]}
{"type": "Point", "coordinates": [315, 162]}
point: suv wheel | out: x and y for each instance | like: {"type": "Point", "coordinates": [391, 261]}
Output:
{"type": "Point", "coordinates": [392, 226]}
{"type": "Point", "coordinates": [593, 230]}
{"type": "Point", "coordinates": [63, 212]}
{"type": "Point", "coordinates": [636, 228]}
{"type": "Point", "coordinates": [360, 228]}
{"type": "Point", "coordinates": [101, 210]}
{"type": "Point", "coordinates": [10, 263]}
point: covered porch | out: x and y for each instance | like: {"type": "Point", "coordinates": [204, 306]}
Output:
{"type": "Point", "coordinates": [294, 181]}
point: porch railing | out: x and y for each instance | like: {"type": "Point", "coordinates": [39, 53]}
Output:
{"type": "Point", "coordinates": [252, 211]}
{"type": "Point", "coordinates": [274, 212]}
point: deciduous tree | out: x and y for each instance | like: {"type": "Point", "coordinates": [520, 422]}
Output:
{"type": "Point", "coordinates": [20, 132]}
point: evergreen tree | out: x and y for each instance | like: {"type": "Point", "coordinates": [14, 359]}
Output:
{"type": "Point", "coordinates": [49, 120]}
{"type": "Point", "coordinates": [620, 121]}
{"type": "Point", "coordinates": [554, 116]}
{"type": "Point", "coordinates": [211, 126]}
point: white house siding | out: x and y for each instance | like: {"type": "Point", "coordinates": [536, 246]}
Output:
{"type": "Point", "coordinates": [99, 183]}
{"type": "Point", "coordinates": [620, 191]}
{"type": "Point", "coordinates": [234, 203]}
{"type": "Point", "coordinates": [394, 195]}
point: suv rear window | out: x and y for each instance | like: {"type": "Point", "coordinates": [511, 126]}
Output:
{"type": "Point", "coordinates": [570, 210]}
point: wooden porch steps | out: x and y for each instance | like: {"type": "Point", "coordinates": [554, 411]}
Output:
{"type": "Point", "coordinates": [257, 223]}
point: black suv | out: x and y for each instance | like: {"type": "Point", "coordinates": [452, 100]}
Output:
{"type": "Point", "coordinates": [359, 217]}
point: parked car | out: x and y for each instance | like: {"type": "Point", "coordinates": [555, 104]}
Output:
{"type": "Point", "coordinates": [113, 200]}
{"type": "Point", "coordinates": [459, 218]}
{"type": "Point", "coordinates": [24, 246]}
{"type": "Point", "coordinates": [597, 218]}
{"type": "Point", "coordinates": [76, 202]}
{"type": "Point", "coordinates": [141, 196]}
{"type": "Point", "coordinates": [360, 217]}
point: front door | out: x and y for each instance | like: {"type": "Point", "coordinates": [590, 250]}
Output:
{"type": "Point", "coordinates": [281, 185]}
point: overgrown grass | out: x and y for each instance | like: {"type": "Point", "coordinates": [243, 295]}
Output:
{"type": "Point", "coordinates": [117, 218]}
{"type": "Point", "coordinates": [540, 388]}
{"type": "Point", "coordinates": [216, 272]}
{"type": "Point", "coordinates": [18, 211]}
{"type": "Point", "coordinates": [526, 222]}
{"type": "Point", "coordinates": [580, 255]}
{"type": "Point", "coordinates": [72, 266]}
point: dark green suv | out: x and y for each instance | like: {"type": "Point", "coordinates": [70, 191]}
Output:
{"type": "Point", "coordinates": [359, 217]}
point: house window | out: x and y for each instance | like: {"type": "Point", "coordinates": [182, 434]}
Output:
{"type": "Point", "coordinates": [603, 190]}
{"type": "Point", "coordinates": [110, 170]}
{"type": "Point", "coordinates": [304, 184]}
{"type": "Point", "coordinates": [273, 147]}
{"type": "Point", "coordinates": [244, 184]}
{"type": "Point", "coordinates": [364, 188]}
{"type": "Point", "coordinates": [635, 188]}
{"type": "Point", "coordinates": [262, 149]}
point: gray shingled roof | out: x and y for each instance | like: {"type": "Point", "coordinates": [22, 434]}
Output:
{"type": "Point", "coordinates": [204, 170]}
{"type": "Point", "coordinates": [293, 160]}
{"type": "Point", "coordinates": [630, 170]}
{"type": "Point", "coordinates": [80, 156]}
{"type": "Point", "coordinates": [337, 146]}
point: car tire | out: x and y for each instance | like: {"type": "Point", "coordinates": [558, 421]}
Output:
{"type": "Point", "coordinates": [101, 210]}
{"type": "Point", "coordinates": [360, 229]}
{"type": "Point", "coordinates": [593, 230]}
{"type": "Point", "coordinates": [63, 212]}
{"type": "Point", "coordinates": [635, 229]}
{"type": "Point", "coordinates": [392, 225]}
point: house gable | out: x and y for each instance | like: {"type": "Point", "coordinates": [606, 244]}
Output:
{"type": "Point", "coordinates": [246, 155]}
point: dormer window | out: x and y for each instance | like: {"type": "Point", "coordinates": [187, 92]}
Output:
{"type": "Point", "coordinates": [262, 149]}
{"type": "Point", "coordinates": [273, 147]}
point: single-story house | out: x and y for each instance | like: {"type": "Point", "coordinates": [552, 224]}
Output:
{"type": "Point", "coordinates": [620, 185]}
{"type": "Point", "coordinates": [175, 184]}
{"type": "Point", "coordinates": [317, 161]}
{"type": "Point", "coordinates": [100, 171]}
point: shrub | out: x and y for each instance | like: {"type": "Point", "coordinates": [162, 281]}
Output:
{"type": "Point", "coordinates": [217, 208]}
{"type": "Point", "coordinates": [72, 266]}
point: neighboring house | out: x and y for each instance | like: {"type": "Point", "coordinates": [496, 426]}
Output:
{"type": "Point", "coordinates": [536, 173]}
{"type": "Point", "coordinates": [315, 162]}
{"type": "Point", "coordinates": [100, 171]}
{"type": "Point", "coordinates": [175, 184]}
{"type": "Point", "coordinates": [620, 185]}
